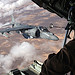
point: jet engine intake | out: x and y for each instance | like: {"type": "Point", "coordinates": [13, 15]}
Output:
{"type": "Point", "coordinates": [37, 33]}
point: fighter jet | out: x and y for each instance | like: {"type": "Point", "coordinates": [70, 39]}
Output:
{"type": "Point", "coordinates": [29, 31]}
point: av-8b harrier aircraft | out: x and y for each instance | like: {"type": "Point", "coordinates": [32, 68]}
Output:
{"type": "Point", "coordinates": [29, 31]}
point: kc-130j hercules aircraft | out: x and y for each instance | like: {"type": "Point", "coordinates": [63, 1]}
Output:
{"type": "Point", "coordinates": [29, 31]}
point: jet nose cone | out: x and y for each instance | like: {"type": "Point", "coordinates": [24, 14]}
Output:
{"type": "Point", "coordinates": [49, 36]}
{"type": "Point", "coordinates": [53, 37]}
{"type": "Point", "coordinates": [56, 38]}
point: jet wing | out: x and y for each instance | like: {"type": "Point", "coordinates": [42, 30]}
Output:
{"type": "Point", "coordinates": [16, 29]}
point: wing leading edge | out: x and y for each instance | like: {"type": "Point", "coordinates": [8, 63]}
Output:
{"type": "Point", "coordinates": [15, 29]}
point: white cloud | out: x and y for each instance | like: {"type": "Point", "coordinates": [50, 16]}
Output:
{"type": "Point", "coordinates": [6, 6]}
{"type": "Point", "coordinates": [8, 13]}
{"type": "Point", "coordinates": [23, 51]}
{"type": "Point", "coordinates": [32, 7]}
{"type": "Point", "coordinates": [1, 25]}
{"type": "Point", "coordinates": [1, 5]}
{"type": "Point", "coordinates": [21, 2]}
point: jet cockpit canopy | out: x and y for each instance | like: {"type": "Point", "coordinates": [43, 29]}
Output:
{"type": "Point", "coordinates": [44, 29]}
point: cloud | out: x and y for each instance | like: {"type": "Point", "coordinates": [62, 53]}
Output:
{"type": "Point", "coordinates": [32, 7]}
{"type": "Point", "coordinates": [24, 51]}
{"type": "Point", "coordinates": [4, 5]}
{"type": "Point", "coordinates": [7, 7]}
{"type": "Point", "coordinates": [21, 2]}
{"type": "Point", "coordinates": [1, 25]}
{"type": "Point", "coordinates": [8, 13]}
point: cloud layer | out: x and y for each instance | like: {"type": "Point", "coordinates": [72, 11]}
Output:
{"type": "Point", "coordinates": [22, 53]}
{"type": "Point", "coordinates": [7, 7]}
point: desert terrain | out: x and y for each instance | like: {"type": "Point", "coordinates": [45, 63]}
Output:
{"type": "Point", "coordinates": [18, 52]}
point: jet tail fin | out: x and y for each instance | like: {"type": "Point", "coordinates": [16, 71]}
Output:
{"type": "Point", "coordinates": [12, 21]}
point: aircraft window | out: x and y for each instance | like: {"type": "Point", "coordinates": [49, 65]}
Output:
{"type": "Point", "coordinates": [44, 29]}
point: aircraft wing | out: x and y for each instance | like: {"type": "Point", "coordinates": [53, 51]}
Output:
{"type": "Point", "coordinates": [15, 29]}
